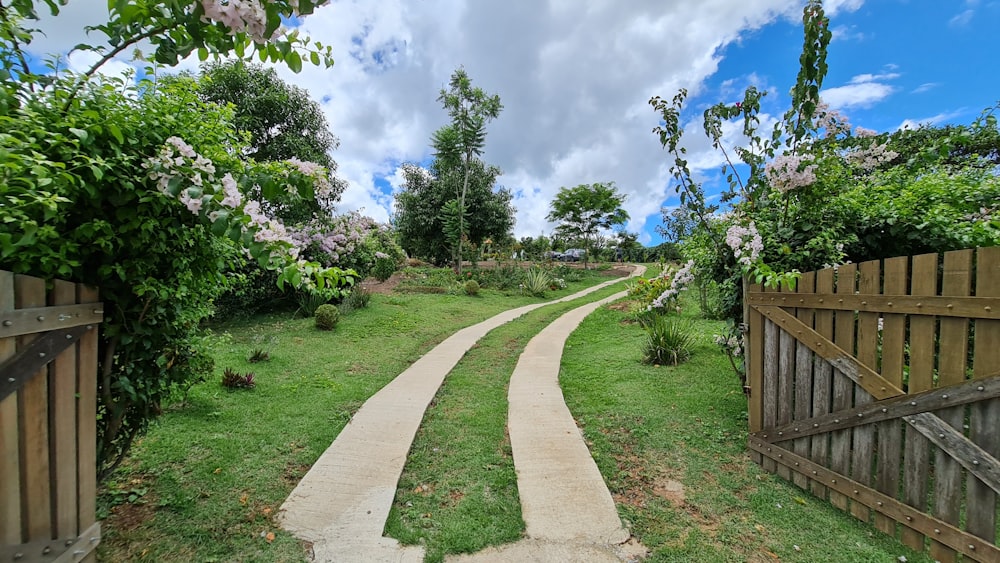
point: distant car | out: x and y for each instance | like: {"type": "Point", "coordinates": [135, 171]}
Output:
{"type": "Point", "coordinates": [552, 255]}
{"type": "Point", "coordinates": [573, 255]}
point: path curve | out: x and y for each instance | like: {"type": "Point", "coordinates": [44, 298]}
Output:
{"type": "Point", "coordinates": [342, 503]}
{"type": "Point", "coordinates": [567, 508]}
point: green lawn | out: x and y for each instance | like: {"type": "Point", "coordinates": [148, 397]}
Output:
{"type": "Point", "coordinates": [206, 481]}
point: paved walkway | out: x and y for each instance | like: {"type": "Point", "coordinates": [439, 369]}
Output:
{"type": "Point", "coordinates": [342, 503]}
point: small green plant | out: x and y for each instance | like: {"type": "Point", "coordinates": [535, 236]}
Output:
{"type": "Point", "coordinates": [506, 276]}
{"type": "Point", "coordinates": [327, 316]}
{"type": "Point", "coordinates": [536, 282]}
{"type": "Point", "coordinates": [668, 340]}
{"type": "Point", "coordinates": [258, 355]}
{"type": "Point", "coordinates": [309, 301]}
{"type": "Point", "coordinates": [232, 379]}
{"type": "Point", "coordinates": [471, 287]}
{"type": "Point", "coordinates": [358, 298]}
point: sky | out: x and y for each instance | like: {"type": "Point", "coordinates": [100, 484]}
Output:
{"type": "Point", "coordinates": [575, 77]}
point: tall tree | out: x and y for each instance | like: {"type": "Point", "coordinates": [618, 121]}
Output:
{"type": "Point", "coordinates": [460, 143]}
{"type": "Point", "coordinates": [283, 123]}
{"type": "Point", "coordinates": [585, 210]}
{"type": "Point", "coordinates": [421, 215]}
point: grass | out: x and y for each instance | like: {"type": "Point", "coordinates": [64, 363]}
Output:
{"type": "Point", "coordinates": [206, 481]}
{"type": "Point", "coordinates": [458, 491]}
{"type": "Point", "coordinates": [671, 444]}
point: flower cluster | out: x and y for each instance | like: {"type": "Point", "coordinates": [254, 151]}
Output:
{"type": "Point", "coordinates": [681, 279]}
{"type": "Point", "coordinates": [790, 171]}
{"type": "Point", "coordinates": [330, 240]}
{"type": "Point", "coordinates": [870, 158]}
{"type": "Point", "coordinates": [317, 173]}
{"type": "Point", "coordinates": [732, 343]}
{"type": "Point", "coordinates": [746, 243]}
{"type": "Point", "coordinates": [831, 121]}
{"type": "Point", "coordinates": [240, 16]}
{"type": "Point", "coordinates": [180, 172]}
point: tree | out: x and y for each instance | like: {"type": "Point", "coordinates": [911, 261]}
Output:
{"type": "Point", "coordinates": [283, 123]}
{"type": "Point", "coordinates": [458, 144]}
{"type": "Point", "coordinates": [420, 215]}
{"type": "Point", "coordinates": [585, 210]}
{"type": "Point", "coordinates": [136, 189]}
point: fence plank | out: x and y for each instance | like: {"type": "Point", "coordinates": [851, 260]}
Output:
{"type": "Point", "coordinates": [10, 478]}
{"type": "Point", "coordinates": [62, 428]}
{"type": "Point", "coordinates": [786, 374]}
{"type": "Point", "coordinates": [822, 381]}
{"type": "Point", "coordinates": [957, 280]}
{"type": "Point", "coordinates": [803, 376]}
{"type": "Point", "coordinates": [770, 412]}
{"type": "Point", "coordinates": [869, 279]}
{"type": "Point", "coordinates": [87, 418]}
{"type": "Point", "coordinates": [916, 453]}
{"type": "Point", "coordinates": [843, 387]}
{"type": "Point", "coordinates": [33, 422]}
{"type": "Point", "coordinates": [984, 417]}
{"type": "Point", "coordinates": [890, 433]}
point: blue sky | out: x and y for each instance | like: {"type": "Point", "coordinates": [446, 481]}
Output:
{"type": "Point", "coordinates": [575, 78]}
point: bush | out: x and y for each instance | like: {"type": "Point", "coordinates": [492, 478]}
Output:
{"type": "Point", "coordinates": [358, 298]}
{"type": "Point", "coordinates": [309, 301]}
{"type": "Point", "coordinates": [506, 276]}
{"type": "Point", "coordinates": [536, 282]}
{"type": "Point", "coordinates": [472, 287]}
{"type": "Point", "coordinates": [232, 379]}
{"type": "Point", "coordinates": [384, 267]}
{"type": "Point", "coordinates": [327, 317]}
{"type": "Point", "coordinates": [668, 340]}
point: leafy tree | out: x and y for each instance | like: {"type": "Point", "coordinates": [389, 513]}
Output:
{"type": "Point", "coordinates": [677, 223]}
{"type": "Point", "coordinates": [458, 144]}
{"type": "Point", "coordinates": [585, 210]}
{"type": "Point", "coordinates": [136, 189]}
{"type": "Point", "coordinates": [283, 123]}
{"type": "Point", "coordinates": [421, 210]}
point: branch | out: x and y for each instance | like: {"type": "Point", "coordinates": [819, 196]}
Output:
{"type": "Point", "coordinates": [112, 54]}
{"type": "Point", "coordinates": [26, 71]}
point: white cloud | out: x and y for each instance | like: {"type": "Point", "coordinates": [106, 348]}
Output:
{"type": "Point", "coordinates": [862, 91]}
{"type": "Point", "coordinates": [925, 87]}
{"type": "Point", "coordinates": [932, 120]}
{"type": "Point", "coordinates": [574, 79]}
{"type": "Point", "coordinates": [962, 19]}
{"type": "Point", "coordinates": [847, 33]}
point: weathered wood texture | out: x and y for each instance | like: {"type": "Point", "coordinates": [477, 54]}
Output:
{"type": "Point", "coordinates": [878, 386]}
{"type": "Point", "coordinates": [47, 417]}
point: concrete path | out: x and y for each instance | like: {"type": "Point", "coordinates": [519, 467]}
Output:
{"type": "Point", "coordinates": [342, 503]}
{"type": "Point", "coordinates": [566, 506]}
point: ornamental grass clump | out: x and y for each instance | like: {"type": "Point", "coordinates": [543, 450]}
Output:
{"type": "Point", "coordinates": [536, 282]}
{"type": "Point", "coordinates": [668, 340]}
{"type": "Point", "coordinates": [327, 317]}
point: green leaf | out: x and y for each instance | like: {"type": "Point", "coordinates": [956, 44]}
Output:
{"type": "Point", "coordinates": [80, 133]}
{"type": "Point", "coordinates": [314, 58]}
{"type": "Point", "coordinates": [294, 61]}
{"type": "Point", "coordinates": [202, 54]}
{"type": "Point", "coordinates": [116, 132]}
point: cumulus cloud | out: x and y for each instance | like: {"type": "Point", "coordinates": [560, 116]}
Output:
{"type": "Point", "coordinates": [574, 79]}
{"type": "Point", "coordinates": [862, 91]}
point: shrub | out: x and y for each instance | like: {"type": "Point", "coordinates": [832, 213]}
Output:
{"type": "Point", "coordinates": [472, 287]}
{"type": "Point", "coordinates": [258, 355]}
{"type": "Point", "coordinates": [384, 267]}
{"type": "Point", "coordinates": [506, 276]}
{"type": "Point", "coordinates": [358, 298]}
{"type": "Point", "coordinates": [668, 340]}
{"type": "Point", "coordinates": [232, 379]}
{"type": "Point", "coordinates": [536, 282]}
{"type": "Point", "coordinates": [309, 301]}
{"type": "Point", "coordinates": [327, 317]}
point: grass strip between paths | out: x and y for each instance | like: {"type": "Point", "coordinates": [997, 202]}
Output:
{"type": "Point", "coordinates": [458, 491]}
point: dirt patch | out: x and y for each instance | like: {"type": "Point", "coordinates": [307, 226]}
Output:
{"type": "Point", "coordinates": [372, 285]}
{"type": "Point", "coordinates": [294, 472]}
{"type": "Point", "coordinates": [129, 516]}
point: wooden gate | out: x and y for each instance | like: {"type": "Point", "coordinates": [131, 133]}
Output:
{"type": "Point", "coordinates": [48, 410]}
{"type": "Point", "coordinates": [876, 386]}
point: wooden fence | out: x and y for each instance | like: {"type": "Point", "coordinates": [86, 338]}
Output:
{"type": "Point", "coordinates": [876, 386]}
{"type": "Point", "coordinates": [48, 410]}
